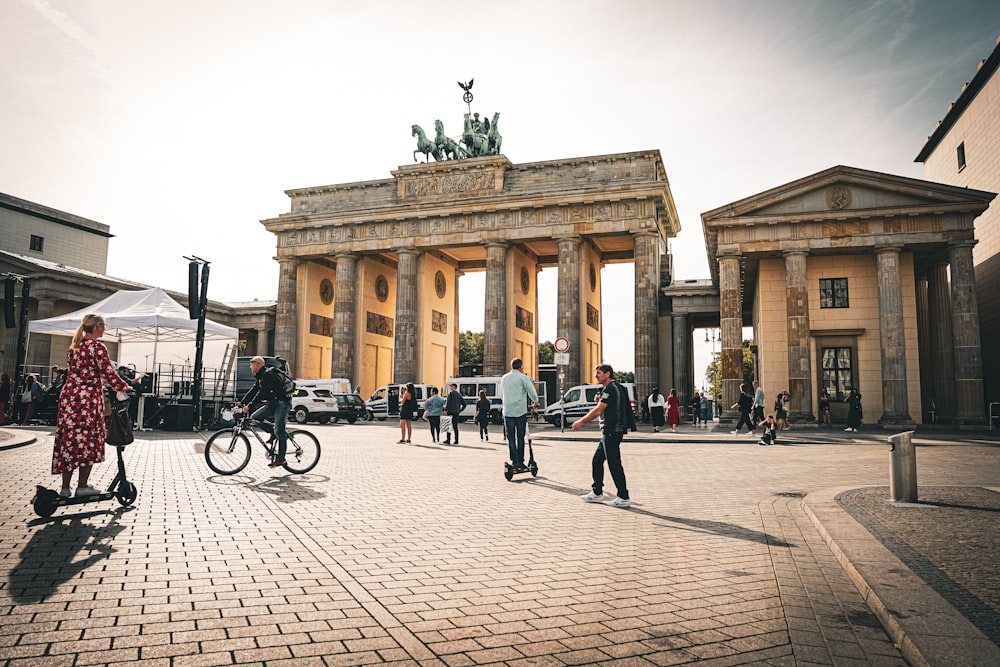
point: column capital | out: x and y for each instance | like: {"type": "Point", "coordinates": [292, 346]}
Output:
{"type": "Point", "coordinates": [636, 233]}
{"type": "Point", "coordinates": [494, 243]}
{"type": "Point", "coordinates": [966, 243]}
{"type": "Point", "coordinates": [406, 250]}
{"type": "Point", "coordinates": [791, 252]}
{"type": "Point", "coordinates": [882, 248]}
{"type": "Point", "coordinates": [346, 255]}
{"type": "Point", "coordinates": [294, 261]}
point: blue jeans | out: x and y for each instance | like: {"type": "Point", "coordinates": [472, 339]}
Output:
{"type": "Point", "coordinates": [277, 410]}
{"type": "Point", "coordinates": [516, 427]}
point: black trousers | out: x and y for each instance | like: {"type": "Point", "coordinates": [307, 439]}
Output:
{"type": "Point", "coordinates": [454, 429]}
{"type": "Point", "coordinates": [609, 449]}
{"type": "Point", "coordinates": [435, 423]}
{"type": "Point", "coordinates": [745, 417]}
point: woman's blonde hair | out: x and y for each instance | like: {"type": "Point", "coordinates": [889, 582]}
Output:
{"type": "Point", "coordinates": [87, 326]}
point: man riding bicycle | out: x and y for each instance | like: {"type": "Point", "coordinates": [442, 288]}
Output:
{"type": "Point", "coordinates": [270, 390]}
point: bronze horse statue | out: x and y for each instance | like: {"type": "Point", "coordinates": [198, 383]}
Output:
{"type": "Point", "coordinates": [493, 136]}
{"type": "Point", "coordinates": [448, 147]}
{"type": "Point", "coordinates": [424, 145]}
{"type": "Point", "coordinates": [475, 144]}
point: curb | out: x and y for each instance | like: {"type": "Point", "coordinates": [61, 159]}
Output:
{"type": "Point", "coordinates": [927, 629]}
{"type": "Point", "coordinates": [16, 439]}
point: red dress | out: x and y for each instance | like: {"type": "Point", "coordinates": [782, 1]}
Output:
{"type": "Point", "coordinates": [80, 427]}
{"type": "Point", "coordinates": [673, 411]}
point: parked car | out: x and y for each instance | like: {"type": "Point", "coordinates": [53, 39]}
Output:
{"type": "Point", "coordinates": [311, 404]}
{"type": "Point", "coordinates": [579, 400]}
{"type": "Point", "coordinates": [350, 407]}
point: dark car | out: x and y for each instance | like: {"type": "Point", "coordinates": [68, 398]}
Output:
{"type": "Point", "coordinates": [350, 407]}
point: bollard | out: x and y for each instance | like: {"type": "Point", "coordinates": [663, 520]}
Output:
{"type": "Point", "coordinates": [902, 468]}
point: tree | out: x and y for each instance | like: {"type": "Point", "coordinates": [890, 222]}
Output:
{"type": "Point", "coordinates": [546, 353]}
{"type": "Point", "coordinates": [714, 370]}
{"type": "Point", "coordinates": [624, 376]}
{"type": "Point", "coordinates": [470, 348]}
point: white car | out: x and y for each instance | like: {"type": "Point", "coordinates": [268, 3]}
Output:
{"type": "Point", "coordinates": [311, 404]}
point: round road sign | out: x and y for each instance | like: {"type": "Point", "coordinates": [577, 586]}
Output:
{"type": "Point", "coordinates": [561, 345]}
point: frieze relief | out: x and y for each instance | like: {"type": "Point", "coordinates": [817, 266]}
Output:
{"type": "Point", "coordinates": [433, 187]}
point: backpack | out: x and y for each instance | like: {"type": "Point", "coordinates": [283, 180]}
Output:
{"type": "Point", "coordinates": [628, 417]}
{"type": "Point", "coordinates": [287, 383]}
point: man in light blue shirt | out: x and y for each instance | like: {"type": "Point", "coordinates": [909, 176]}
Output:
{"type": "Point", "coordinates": [518, 393]}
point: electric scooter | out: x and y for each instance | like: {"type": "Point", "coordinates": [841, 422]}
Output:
{"type": "Point", "coordinates": [509, 469]}
{"type": "Point", "coordinates": [46, 501]}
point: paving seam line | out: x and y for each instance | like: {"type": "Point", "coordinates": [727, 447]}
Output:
{"type": "Point", "coordinates": [396, 629]}
{"type": "Point", "coordinates": [913, 648]}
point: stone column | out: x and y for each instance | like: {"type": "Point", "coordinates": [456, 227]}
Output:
{"type": "Point", "coordinates": [456, 365]}
{"type": "Point", "coordinates": [891, 338]}
{"type": "Point", "coordinates": [286, 312]}
{"type": "Point", "coordinates": [647, 287]}
{"type": "Point", "coordinates": [923, 338]}
{"type": "Point", "coordinates": [940, 363]}
{"type": "Point", "coordinates": [263, 340]}
{"type": "Point", "coordinates": [568, 323]}
{"type": "Point", "coordinates": [41, 344]}
{"type": "Point", "coordinates": [682, 362]}
{"type": "Point", "coordinates": [970, 407]}
{"type": "Point", "coordinates": [344, 317]}
{"type": "Point", "coordinates": [799, 364]}
{"type": "Point", "coordinates": [730, 334]}
{"type": "Point", "coordinates": [495, 331]}
{"type": "Point", "coordinates": [404, 367]}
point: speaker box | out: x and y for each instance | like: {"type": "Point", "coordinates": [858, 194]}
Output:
{"type": "Point", "coordinates": [178, 417]}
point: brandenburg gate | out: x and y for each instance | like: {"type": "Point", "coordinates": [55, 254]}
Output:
{"type": "Point", "coordinates": [368, 286]}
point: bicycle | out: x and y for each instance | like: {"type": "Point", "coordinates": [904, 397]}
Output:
{"type": "Point", "coordinates": [228, 451]}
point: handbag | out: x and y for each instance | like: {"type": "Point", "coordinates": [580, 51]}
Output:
{"type": "Point", "coordinates": [119, 425]}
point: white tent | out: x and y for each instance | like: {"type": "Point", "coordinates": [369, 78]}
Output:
{"type": "Point", "coordinates": [149, 319]}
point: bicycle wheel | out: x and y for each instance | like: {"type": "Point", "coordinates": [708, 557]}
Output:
{"type": "Point", "coordinates": [302, 454]}
{"type": "Point", "coordinates": [227, 452]}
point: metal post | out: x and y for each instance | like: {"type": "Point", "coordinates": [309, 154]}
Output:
{"type": "Point", "coordinates": [902, 468]}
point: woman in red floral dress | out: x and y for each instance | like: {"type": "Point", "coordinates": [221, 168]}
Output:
{"type": "Point", "coordinates": [80, 427]}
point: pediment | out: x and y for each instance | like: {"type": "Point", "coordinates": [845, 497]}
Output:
{"type": "Point", "coordinates": [842, 192]}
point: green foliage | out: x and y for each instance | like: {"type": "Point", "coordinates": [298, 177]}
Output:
{"type": "Point", "coordinates": [624, 376]}
{"type": "Point", "coordinates": [546, 353]}
{"type": "Point", "coordinates": [470, 348]}
{"type": "Point", "coordinates": [714, 370]}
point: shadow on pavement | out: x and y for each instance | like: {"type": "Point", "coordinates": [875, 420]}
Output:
{"type": "Point", "coordinates": [52, 555]}
{"type": "Point", "coordinates": [290, 488]}
{"type": "Point", "coordinates": [700, 525]}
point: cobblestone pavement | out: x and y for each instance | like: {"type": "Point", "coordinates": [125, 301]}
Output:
{"type": "Point", "coordinates": [424, 554]}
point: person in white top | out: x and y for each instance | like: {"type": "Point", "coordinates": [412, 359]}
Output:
{"type": "Point", "coordinates": [518, 393]}
{"type": "Point", "coordinates": [656, 403]}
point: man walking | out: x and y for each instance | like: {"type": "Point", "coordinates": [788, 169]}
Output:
{"type": "Point", "coordinates": [758, 403]}
{"type": "Point", "coordinates": [453, 408]}
{"type": "Point", "coordinates": [612, 409]}
{"type": "Point", "coordinates": [518, 392]}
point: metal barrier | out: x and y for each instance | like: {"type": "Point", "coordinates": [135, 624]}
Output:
{"type": "Point", "coordinates": [902, 468]}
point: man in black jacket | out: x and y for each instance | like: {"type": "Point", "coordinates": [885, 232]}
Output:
{"type": "Point", "coordinates": [270, 390]}
{"type": "Point", "coordinates": [453, 407]}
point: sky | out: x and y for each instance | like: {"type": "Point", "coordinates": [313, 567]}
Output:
{"type": "Point", "coordinates": [180, 124]}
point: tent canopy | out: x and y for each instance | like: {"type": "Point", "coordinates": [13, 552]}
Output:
{"type": "Point", "coordinates": [137, 316]}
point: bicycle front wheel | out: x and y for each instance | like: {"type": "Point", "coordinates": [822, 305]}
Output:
{"type": "Point", "coordinates": [227, 452]}
{"type": "Point", "coordinates": [302, 454]}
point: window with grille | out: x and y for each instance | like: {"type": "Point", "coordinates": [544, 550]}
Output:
{"type": "Point", "coordinates": [838, 370]}
{"type": "Point", "coordinates": [833, 293]}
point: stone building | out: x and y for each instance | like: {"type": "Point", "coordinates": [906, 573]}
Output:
{"type": "Point", "coordinates": [964, 150]}
{"type": "Point", "coordinates": [844, 277]}
{"type": "Point", "coordinates": [377, 264]}
{"type": "Point", "coordinates": [65, 257]}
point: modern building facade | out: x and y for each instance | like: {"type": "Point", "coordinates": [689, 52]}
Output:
{"type": "Point", "coordinates": [964, 150]}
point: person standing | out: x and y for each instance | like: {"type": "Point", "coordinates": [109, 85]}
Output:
{"type": "Point", "coordinates": [270, 390]}
{"type": "Point", "coordinates": [518, 394]}
{"type": "Point", "coordinates": [656, 404]}
{"type": "Point", "coordinates": [4, 397]}
{"type": "Point", "coordinates": [673, 410]}
{"type": "Point", "coordinates": [483, 407]}
{"type": "Point", "coordinates": [30, 398]}
{"type": "Point", "coordinates": [758, 402]}
{"type": "Point", "coordinates": [854, 411]}
{"type": "Point", "coordinates": [706, 414]}
{"type": "Point", "coordinates": [433, 407]}
{"type": "Point", "coordinates": [786, 406]}
{"type": "Point", "coordinates": [824, 407]}
{"type": "Point", "coordinates": [613, 411]}
{"type": "Point", "coordinates": [745, 405]}
{"type": "Point", "coordinates": [696, 408]}
{"type": "Point", "coordinates": [80, 426]}
{"type": "Point", "coordinates": [453, 407]}
{"type": "Point", "coordinates": [407, 410]}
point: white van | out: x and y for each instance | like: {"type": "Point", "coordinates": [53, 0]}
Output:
{"type": "Point", "coordinates": [334, 385]}
{"type": "Point", "coordinates": [469, 388]}
{"type": "Point", "coordinates": [579, 400]}
{"type": "Point", "coordinates": [384, 401]}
